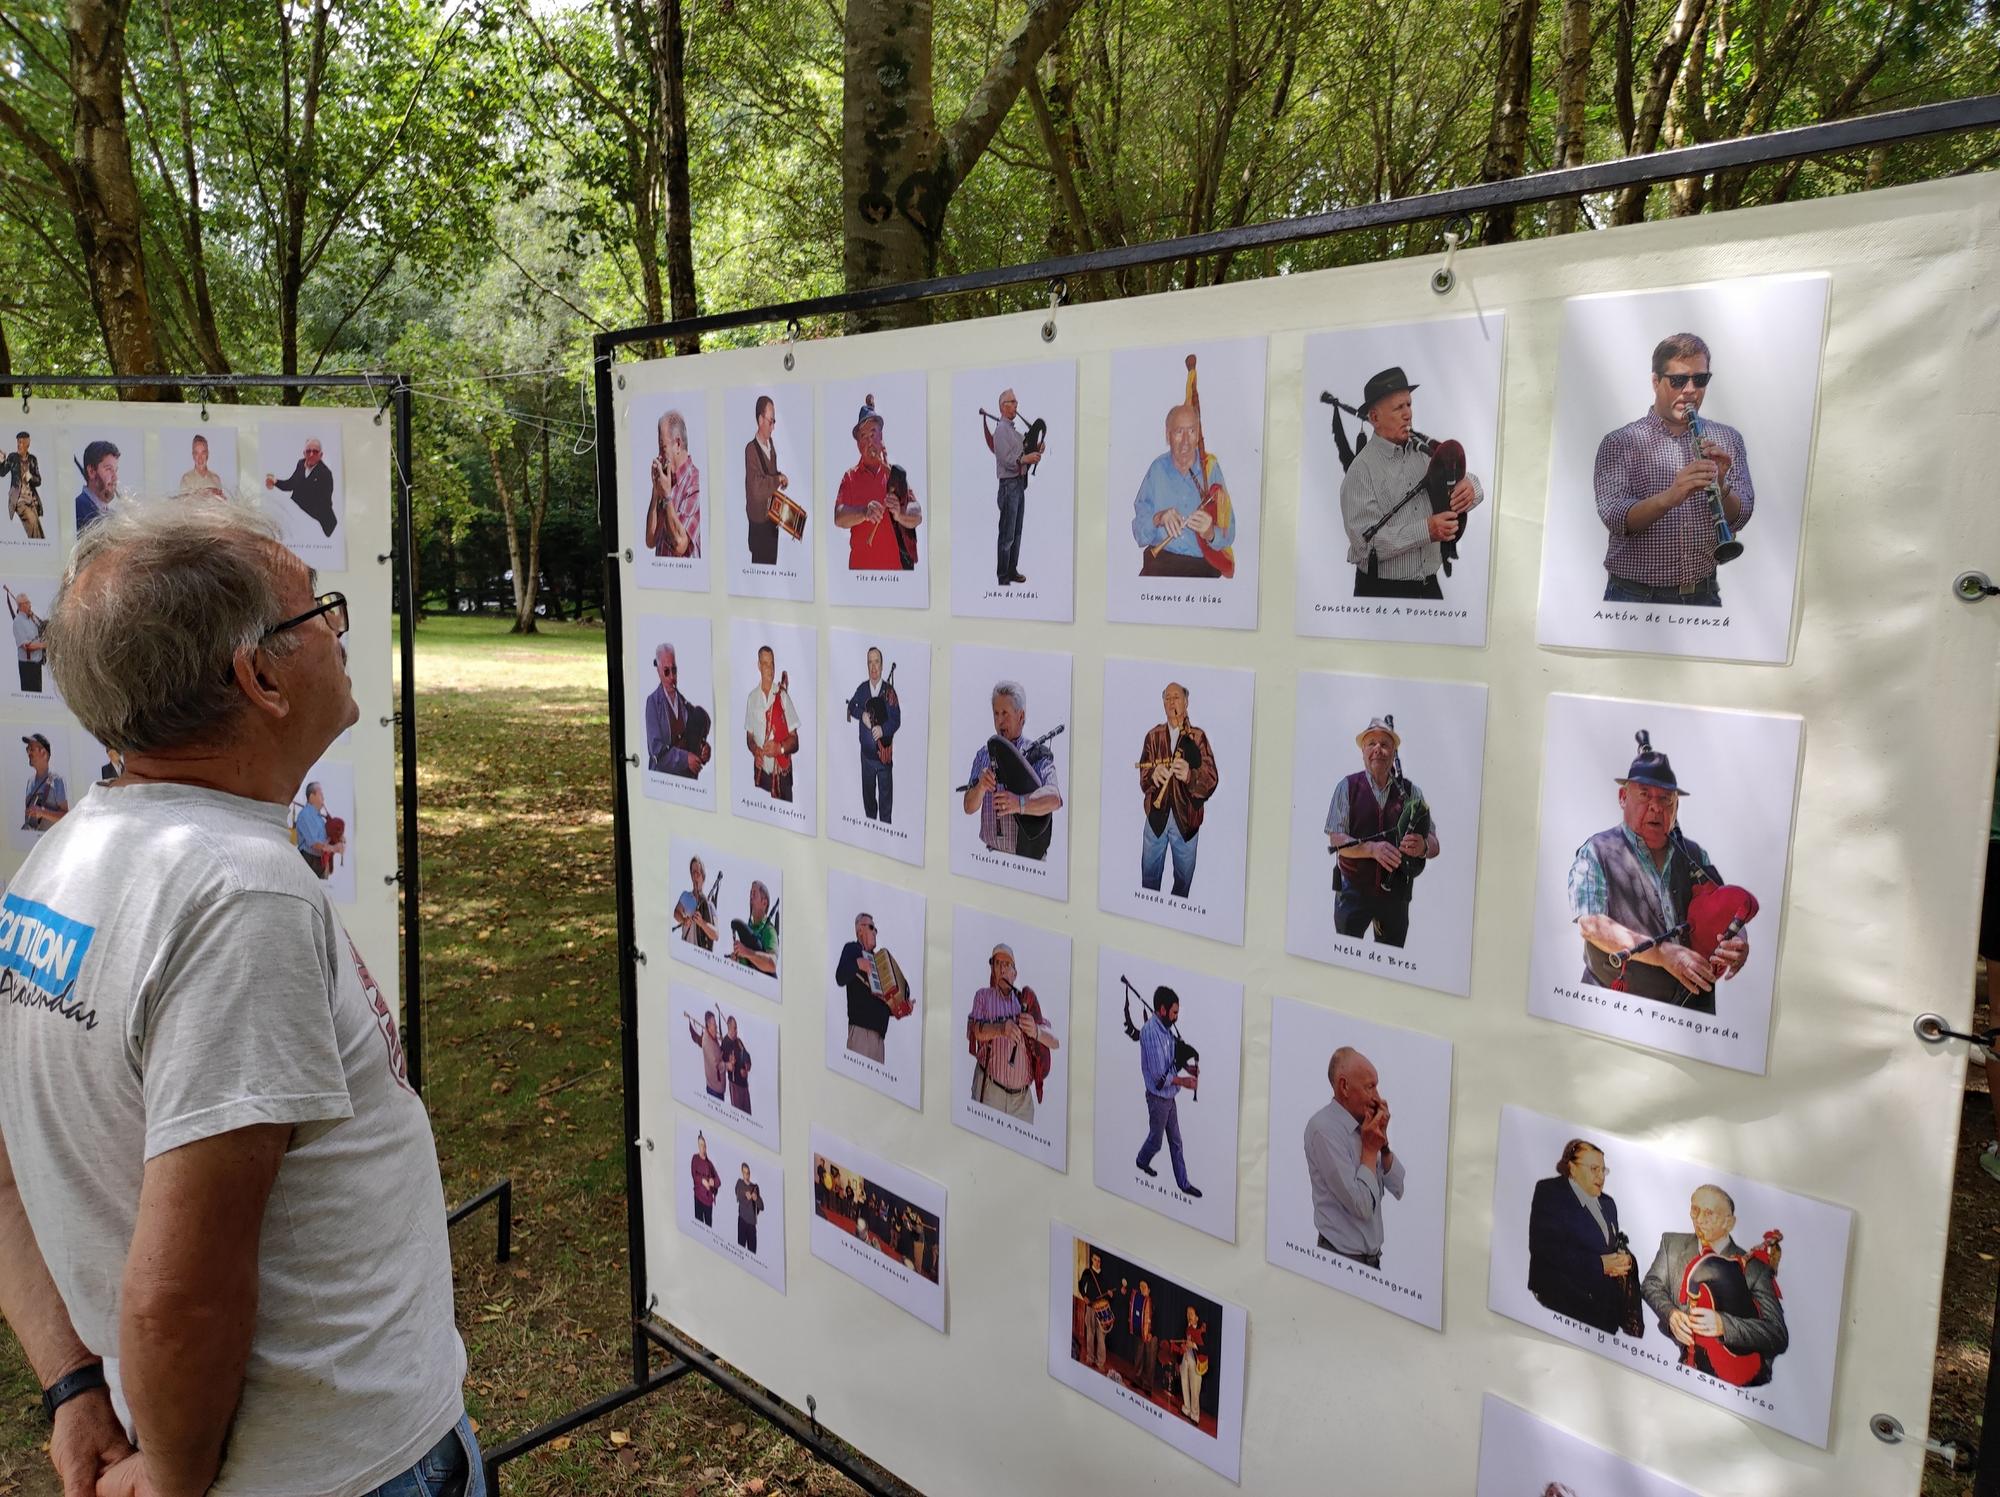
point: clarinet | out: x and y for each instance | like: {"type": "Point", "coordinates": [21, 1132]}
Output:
{"type": "Point", "coordinates": [1727, 547]}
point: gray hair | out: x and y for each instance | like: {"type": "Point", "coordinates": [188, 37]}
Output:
{"type": "Point", "coordinates": [1016, 692]}
{"type": "Point", "coordinates": [676, 425]}
{"type": "Point", "coordinates": [662, 652]}
{"type": "Point", "coordinates": [311, 786]}
{"type": "Point", "coordinates": [143, 648]}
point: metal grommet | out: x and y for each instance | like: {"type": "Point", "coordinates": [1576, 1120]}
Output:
{"type": "Point", "coordinates": [633, 760]}
{"type": "Point", "coordinates": [1886, 1427]}
{"type": "Point", "coordinates": [621, 381]}
{"type": "Point", "coordinates": [791, 338]}
{"type": "Point", "coordinates": [1058, 294]}
{"type": "Point", "coordinates": [1932, 1029]}
{"type": "Point", "coordinates": [1973, 587]}
{"type": "Point", "coordinates": [649, 1145]}
{"type": "Point", "coordinates": [24, 402]}
{"type": "Point", "coordinates": [1442, 280]}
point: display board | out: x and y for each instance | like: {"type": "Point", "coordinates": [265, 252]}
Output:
{"type": "Point", "coordinates": [1685, 1204]}
{"type": "Point", "coordinates": [328, 472]}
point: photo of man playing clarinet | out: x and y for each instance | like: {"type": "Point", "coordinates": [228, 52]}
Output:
{"type": "Point", "coordinates": [1672, 489]}
{"type": "Point", "coordinates": [1397, 538]}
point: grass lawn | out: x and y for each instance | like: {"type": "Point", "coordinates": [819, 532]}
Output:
{"type": "Point", "coordinates": [521, 1040]}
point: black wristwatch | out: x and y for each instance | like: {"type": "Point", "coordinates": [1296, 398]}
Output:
{"type": "Point", "coordinates": [83, 1380]}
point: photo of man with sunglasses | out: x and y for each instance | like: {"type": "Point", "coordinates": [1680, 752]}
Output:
{"type": "Point", "coordinates": [1654, 480]}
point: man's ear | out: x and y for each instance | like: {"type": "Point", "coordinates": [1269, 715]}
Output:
{"type": "Point", "coordinates": [258, 681]}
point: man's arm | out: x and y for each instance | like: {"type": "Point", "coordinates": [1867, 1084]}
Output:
{"type": "Point", "coordinates": [190, 1303]}
{"type": "Point", "coordinates": [1766, 1332]}
{"type": "Point", "coordinates": [1354, 1188]}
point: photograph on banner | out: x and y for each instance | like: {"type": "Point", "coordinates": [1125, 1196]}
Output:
{"type": "Point", "coordinates": [774, 769]}
{"type": "Point", "coordinates": [1187, 444]}
{"type": "Point", "coordinates": [665, 454]}
{"type": "Point", "coordinates": [1009, 742]}
{"type": "Point", "coordinates": [1166, 1036]}
{"type": "Point", "coordinates": [673, 670]}
{"type": "Point", "coordinates": [1013, 492]}
{"type": "Point", "coordinates": [1677, 475]}
{"type": "Point", "coordinates": [873, 473]}
{"type": "Point", "coordinates": [723, 1062]}
{"type": "Point", "coordinates": [769, 534]}
{"type": "Point", "coordinates": [1010, 1006]}
{"type": "Point", "coordinates": [1385, 826]}
{"type": "Point", "coordinates": [745, 1185]}
{"type": "Point", "coordinates": [194, 462]}
{"type": "Point", "coordinates": [1154, 1350]}
{"type": "Point", "coordinates": [1716, 1284]}
{"type": "Point", "coordinates": [1360, 1135]}
{"type": "Point", "coordinates": [726, 918]}
{"type": "Point", "coordinates": [305, 487]}
{"type": "Point", "coordinates": [107, 463]}
{"type": "Point", "coordinates": [1398, 448]}
{"type": "Point", "coordinates": [1174, 795]}
{"type": "Point", "coordinates": [874, 1003]}
{"type": "Point", "coordinates": [28, 600]}
{"type": "Point", "coordinates": [33, 474]}
{"type": "Point", "coordinates": [95, 764]}
{"type": "Point", "coordinates": [323, 826]}
{"type": "Point", "coordinates": [1522, 1456]}
{"type": "Point", "coordinates": [880, 1224]}
{"type": "Point", "coordinates": [42, 779]}
{"type": "Point", "coordinates": [878, 709]}
{"type": "Point", "coordinates": [1665, 833]}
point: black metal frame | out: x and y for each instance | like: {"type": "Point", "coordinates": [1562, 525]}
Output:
{"type": "Point", "coordinates": [1956, 116]}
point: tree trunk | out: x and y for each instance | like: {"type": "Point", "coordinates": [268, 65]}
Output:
{"type": "Point", "coordinates": [106, 207]}
{"type": "Point", "coordinates": [1507, 135]}
{"type": "Point", "coordinates": [511, 516]}
{"type": "Point", "coordinates": [669, 59]}
{"type": "Point", "coordinates": [207, 335]}
{"type": "Point", "coordinates": [1572, 90]}
{"type": "Point", "coordinates": [6, 365]}
{"type": "Point", "coordinates": [1652, 111]}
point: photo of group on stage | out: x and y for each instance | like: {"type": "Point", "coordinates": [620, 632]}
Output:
{"type": "Point", "coordinates": [1397, 454]}
{"type": "Point", "coordinates": [1672, 1268]}
{"type": "Point", "coordinates": [874, 1001]}
{"type": "Point", "coordinates": [733, 932]}
{"type": "Point", "coordinates": [1665, 841]}
{"type": "Point", "coordinates": [673, 674]}
{"type": "Point", "coordinates": [1149, 1347]}
{"type": "Point", "coordinates": [1677, 487]}
{"type": "Point", "coordinates": [666, 454]}
{"type": "Point", "coordinates": [1010, 764]}
{"type": "Point", "coordinates": [717, 1177]}
{"type": "Point", "coordinates": [1013, 492]}
{"type": "Point", "coordinates": [877, 718]}
{"type": "Point", "coordinates": [767, 515]}
{"type": "Point", "coordinates": [1010, 1004]}
{"type": "Point", "coordinates": [1168, 1089]}
{"type": "Point", "coordinates": [722, 1061]}
{"type": "Point", "coordinates": [880, 1224]}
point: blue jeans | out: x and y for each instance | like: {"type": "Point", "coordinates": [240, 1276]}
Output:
{"type": "Point", "coordinates": [1153, 852]}
{"type": "Point", "coordinates": [1163, 1117]}
{"type": "Point", "coordinates": [1013, 498]}
{"type": "Point", "coordinates": [452, 1469]}
{"type": "Point", "coordinates": [878, 787]}
{"type": "Point", "coordinates": [1706, 593]}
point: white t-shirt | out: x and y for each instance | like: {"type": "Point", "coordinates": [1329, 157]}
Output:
{"type": "Point", "coordinates": [171, 970]}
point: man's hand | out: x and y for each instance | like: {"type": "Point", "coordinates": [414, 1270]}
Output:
{"type": "Point", "coordinates": [1169, 520]}
{"type": "Point", "coordinates": [1730, 956]}
{"type": "Point", "coordinates": [127, 1478]}
{"type": "Point", "coordinates": [1617, 1265]}
{"type": "Point", "coordinates": [1030, 1030]}
{"type": "Point", "coordinates": [1162, 773]}
{"type": "Point", "coordinates": [1412, 846]}
{"type": "Point", "coordinates": [701, 754]}
{"type": "Point", "coordinates": [1444, 527]}
{"type": "Point", "coordinates": [1718, 454]}
{"type": "Point", "coordinates": [1375, 1129]}
{"type": "Point", "coordinates": [88, 1440]}
{"type": "Point", "coordinates": [1681, 1327]}
{"type": "Point", "coordinates": [778, 480]}
{"type": "Point", "coordinates": [738, 949]}
{"type": "Point", "coordinates": [659, 472]}
{"type": "Point", "coordinates": [1386, 855]}
{"type": "Point", "coordinates": [1694, 479]}
{"type": "Point", "coordinates": [1705, 1322]}
{"type": "Point", "coordinates": [1005, 801]}
{"type": "Point", "coordinates": [876, 731]}
{"type": "Point", "coordinates": [866, 967]}
{"type": "Point", "coordinates": [987, 780]}
{"type": "Point", "coordinates": [1180, 770]}
{"type": "Point", "coordinates": [1691, 971]}
{"type": "Point", "coordinates": [874, 511]}
{"type": "Point", "coordinates": [1186, 1083]}
{"type": "Point", "coordinates": [1464, 494]}
{"type": "Point", "coordinates": [1201, 522]}
{"type": "Point", "coordinates": [1029, 459]}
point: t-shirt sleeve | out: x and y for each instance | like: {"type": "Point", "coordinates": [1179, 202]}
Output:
{"type": "Point", "coordinates": [236, 1026]}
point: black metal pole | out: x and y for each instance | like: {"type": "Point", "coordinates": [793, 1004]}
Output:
{"type": "Point", "coordinates": [406, 601]}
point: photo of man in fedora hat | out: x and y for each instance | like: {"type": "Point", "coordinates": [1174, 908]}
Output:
{"type": "Point", "coordinates": [1631, 884]}
{"type": "Point", "coordinates": [1394, 542]}
{"type": "Point", "coordinates": [875, 502]}
{"type": "Point", "coordinates": [1381, 833]}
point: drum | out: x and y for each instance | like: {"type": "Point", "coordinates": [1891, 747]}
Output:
{"type": "Point", "coordinates": [787, 514]}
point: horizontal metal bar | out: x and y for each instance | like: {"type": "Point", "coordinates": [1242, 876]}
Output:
{"type": "Point", "coordinates": [597, 1408]}
{"type": "Point", "coordinates": [211, 381]}
{"type": "Point", "coordinates": [809, 1433]}
{"type": "Point", "coordinates": [1861, 132]}
{"type": "Point", "coordinates": [502, 1195]}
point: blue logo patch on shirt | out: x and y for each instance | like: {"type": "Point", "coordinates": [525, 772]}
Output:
{"type": "Point", "coordinates": [41, 945]}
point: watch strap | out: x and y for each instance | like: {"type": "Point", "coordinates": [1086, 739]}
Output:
{"type": "Point", "coordinates": [84, 1380]}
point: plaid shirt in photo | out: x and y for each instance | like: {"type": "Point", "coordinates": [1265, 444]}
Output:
{"type": "Point", "coordinates": [1638, 461]}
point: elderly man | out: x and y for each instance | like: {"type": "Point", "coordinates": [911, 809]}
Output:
{"type": "Point", "coordinates": [100, 483]}
{"type": "Point", "coordinates": [47, 799]}
{"type": "Point", "coordinates": [1018, 823]}
{"type": "Point", "coordinates": [28, 645]}
{"type": "Point", "coordinates": [1178, 532]}
{"type": "Point", "coordinates": [709, 1041]}
{"type": "Point", "coordinates": [201, 481]}
{"type": "Point", "coordinates": [1379, 828]}
{"type": "Point", "coordinates": [316, 842]}
{"type": "Point", "coordinates": [707, 1181]}
{"type": "Point", "coordinates": [1161, 1076]}
{"type": "Point", "coordinates": [1744, 1313]}
{"type": "Point", "coordinates": [1010, 1044]}
{"type": "Point", "coordinates": [23, 471]}
{"type": "Point", "coordinates": [676, 730]}
{"type": "Point", "coordinates": [1349, 1161]}
{"type": "Point", "coordinates": [1578, 1262]}
{"type": "Point", "coordinates": [770, 729]}
{"type": "Point", "coordinates": [223, 1196]}
{"type": "Point", "coordinates": [311, 486]}
{"type": "Point", "coordinates": [757, 947]}
{"type": "Point", "coordinates": [1380, 493]}
{"type": "Point", "coordinates": [1097, 1312]}
{"type": "Point", "coordinates": [866, 506]}
{"type": "Point", "coordinates": [749, 1205]}
{"type": "Point", "coordinates": [877, 714]}
{"type": "Point", "coordinates": [1012, 464]}
{"type": "Point", "coordinates": [673, 512]}
{"type": "Point", "coordinates": [761, 479]}
{"type": "Point", "coordinates": [1177, 775]}
{"type": "Point", "coordinates": [694, 916]}
{"type": "Point", "coordinates": [867, 1015]}
{"type": "Point", "coordinates": [736, 1068]}
{"type": "Point", "coordinates": [1658, 481]}
{"type": "Point", "coordinates": [1632, 883]}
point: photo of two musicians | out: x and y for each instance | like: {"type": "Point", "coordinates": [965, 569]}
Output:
{"type": "Point", "coordinates": [752, 943]}
{"type": "Point", "coordinates": [1716, 1303]}
{"type": "Point", "coordinates": [894, 1227]}
{"type": "Point", "coordinates": [1139, 1329]}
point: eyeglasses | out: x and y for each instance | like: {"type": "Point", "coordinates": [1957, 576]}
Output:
{"type": "Point", "coordinates": [332, 605]}
{"type": "Point", "coordinates": [1682, 381]}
